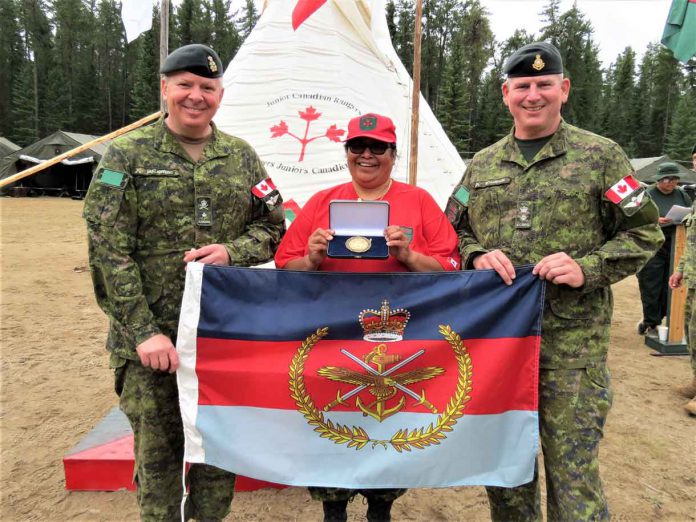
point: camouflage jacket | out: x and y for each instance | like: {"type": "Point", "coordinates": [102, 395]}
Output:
{"type": "Point", "coordinates": [148, 203]}
{"type": "Point", "coordinates": [687, 263]}
{"type": "Point", "coordinates": [557, 203]}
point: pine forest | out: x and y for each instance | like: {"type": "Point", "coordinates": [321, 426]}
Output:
{"type": "Point", "coordinates": [66, 65]}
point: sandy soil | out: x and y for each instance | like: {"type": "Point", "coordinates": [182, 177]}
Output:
{"type": "Point", "coordinates": [56, 386]}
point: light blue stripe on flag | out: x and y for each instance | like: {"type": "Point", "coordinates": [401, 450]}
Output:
{"type": "Point", "coordinates": [279, 446]}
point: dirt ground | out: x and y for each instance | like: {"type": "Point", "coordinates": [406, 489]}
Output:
{"type": "Point", "coordinates": [55, 386]}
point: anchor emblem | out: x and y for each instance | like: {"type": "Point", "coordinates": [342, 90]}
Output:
{"type": "Point", "coordinates": [381, 381]}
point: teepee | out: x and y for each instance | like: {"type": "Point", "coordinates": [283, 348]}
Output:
{"type": "Point", "coordinates": [305, 70]}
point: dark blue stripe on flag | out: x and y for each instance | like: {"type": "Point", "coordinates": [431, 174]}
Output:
{"type": "Point", "coordinates": [274, 300]}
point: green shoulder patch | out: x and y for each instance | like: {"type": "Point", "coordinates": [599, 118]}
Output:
{"type": "Point", "coordinates": [112, 178]}
{"type": "Point", "coordinates": [462, 195]}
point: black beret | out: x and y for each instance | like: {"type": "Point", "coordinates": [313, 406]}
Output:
{"type": "Point", "coordinates": [667, 170]}
{"type": "Point", "coordinates": [535, 59]}
{"type": "Point", "coordinates": [194, 58]}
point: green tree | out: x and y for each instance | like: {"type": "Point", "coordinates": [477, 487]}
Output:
{"type": "Point", "coordinates": [248, 19]}
{"type": "Point", "coordinates": [39, 47]}
{"type": "Point", "coordinates": [74, 35]}
{"type": "Point", "coordinates": [470, 50]}
{"type": "Point", "coordinates": [493, 120]}
{"type": "Point", "coordinates": [24, 129]}
{"type": "Point", "coordinates": [225, 38]}
{"type": "Point", "coordinates": [440, 18]}
{"type": "Point", "coordinates": [145, 97]}
{"type": "Point", "coordinates": [194, 22]}
{"type": "Point", "coordinates": [403, 43]}
{"type": "Point", "coordinates": [667, 81]}
{"type": "Point", "coordinates": [619, 123]}
{"type": "Point", "coordinates": [390, 12]}
{"type": "Point", "coordinates": [643, 103]}
{"type": "Point", "coordinates": [111, 66]}
{"type": "Point", "coordinates": [12, 59]}
{"type": "Point", "coordinates": [571, 33]}
{"type": "Point", "coordinates": [682, 131]}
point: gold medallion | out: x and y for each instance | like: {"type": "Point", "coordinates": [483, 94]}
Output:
{"type": "Point", "coordinates": [358, 244]}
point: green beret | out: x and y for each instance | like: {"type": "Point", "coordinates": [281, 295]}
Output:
{"type": "Point", "coordinates": [667, 170]}
{"type": "Point", "coordinates": [194, 58]}
{"type": "Point", "coordinates": [535, 59]}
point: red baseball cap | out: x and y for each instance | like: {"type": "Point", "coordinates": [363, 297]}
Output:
{"type": "Point", "coordinates": [371, 125]}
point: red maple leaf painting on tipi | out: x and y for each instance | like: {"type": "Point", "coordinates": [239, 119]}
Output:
{"type": "Point", "coordinates": [309, 115]}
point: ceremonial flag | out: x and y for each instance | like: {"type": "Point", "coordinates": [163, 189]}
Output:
{"type": "Point", "coordinates": [680, 29]}
{"type": "Point", "coordinates": [361, 380]}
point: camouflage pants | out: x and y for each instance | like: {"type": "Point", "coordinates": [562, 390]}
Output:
{"type": "Point", "coordinates": [573, 406]}
{"type": "Point", "coordinates": [690, 318]}
{"type": "Point", "coordinates": [337, 494]}
{"type": "Point", "coordinates": [150, 401]}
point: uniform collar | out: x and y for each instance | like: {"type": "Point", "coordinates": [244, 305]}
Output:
{"type": "Point", "coordinates": [166, 142]}
{"type": "Point", "coordinates": [556, 146]}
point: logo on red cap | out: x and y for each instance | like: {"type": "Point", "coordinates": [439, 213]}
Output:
{"type": "Point", "coordinates": [373, 126]}
{"type": "Point", "coordinates": [368, 122]}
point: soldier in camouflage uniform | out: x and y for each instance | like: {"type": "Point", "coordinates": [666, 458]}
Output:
{"type": "Point", "coordinates": [177, 191]}
{"type": "Point", "coordinates": [686, 272]}
{"type": "Point", "coordinates": [559, 197]}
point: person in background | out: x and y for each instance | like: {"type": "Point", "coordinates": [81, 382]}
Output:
{"type": "Point", "coordinates": [685, 273]}
{"type": "Point", "coordinates": [419, 238]}
{"type": "Point", "coordinates": [177, 191]}
{"type": "Point", "coordinates": [563, 199]}
{"type": "Point", "coordinates": [654, 277]}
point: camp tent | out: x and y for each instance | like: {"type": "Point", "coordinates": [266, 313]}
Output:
{"type": "Point", "coordinates": [7, 147]}
{"type": "Point", "coordinates": [70, 176]}
{"type": "Point", "coordinates": [303, 72]}
{"type": "Point", "coordinates": [646, 169]}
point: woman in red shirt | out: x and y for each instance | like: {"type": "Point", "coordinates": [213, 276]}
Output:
{"type": "Point", "coordinates": [419, 237]}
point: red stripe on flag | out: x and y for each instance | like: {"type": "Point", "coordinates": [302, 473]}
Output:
{"type": "Point", "coordinates": [256, 373]}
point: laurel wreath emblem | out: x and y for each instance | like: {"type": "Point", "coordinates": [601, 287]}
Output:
{"type": "Point", "coordinates": [404, 439]}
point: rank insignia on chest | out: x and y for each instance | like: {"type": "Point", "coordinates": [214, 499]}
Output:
{"type": "Point", "coordinates": [523, 219]}
{"type": "Point", "coordinates": [204, 211]}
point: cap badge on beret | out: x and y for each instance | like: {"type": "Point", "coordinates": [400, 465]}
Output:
{"type": "Point", "coordinates": [538, 64]}
{"type": "Point", "coordinates": [368, 122]}
{"type": "Point", "coordinates": [212, 65]}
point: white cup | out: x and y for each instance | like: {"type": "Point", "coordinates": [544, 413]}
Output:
{"type": "Point", "coordinates": [662, 333]}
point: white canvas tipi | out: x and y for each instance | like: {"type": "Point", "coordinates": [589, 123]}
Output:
{"type": "Point", "coordinates": [305, 70]}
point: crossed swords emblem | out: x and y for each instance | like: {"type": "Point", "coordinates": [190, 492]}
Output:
{"type": "Point", "coordinates": [383, 383]}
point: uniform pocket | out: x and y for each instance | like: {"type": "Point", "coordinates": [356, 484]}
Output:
{"type": "Point", "coordinates": [119, 365]}
{"type": "Point", "coordinates": [102, 205]}
{"type": "Point", "coordinates": [573, 304]}
{"type": "Point", "coordinates": [485, 214]}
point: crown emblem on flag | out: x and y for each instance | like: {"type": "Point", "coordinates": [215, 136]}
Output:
{"type": "Point", "coordinates": [384, 325]}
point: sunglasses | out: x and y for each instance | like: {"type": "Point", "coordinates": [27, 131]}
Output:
{"type": "Point", "coordinates": [376, 147]}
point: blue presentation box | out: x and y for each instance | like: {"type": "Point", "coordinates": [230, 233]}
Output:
{"type": "Point", "coordinates": [359, 229]}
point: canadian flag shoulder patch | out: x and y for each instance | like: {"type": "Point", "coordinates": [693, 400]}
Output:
{"type": "Point", "coordinates": [622, 189]}
{"type": "Point", "coordinates": [263, 188]}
